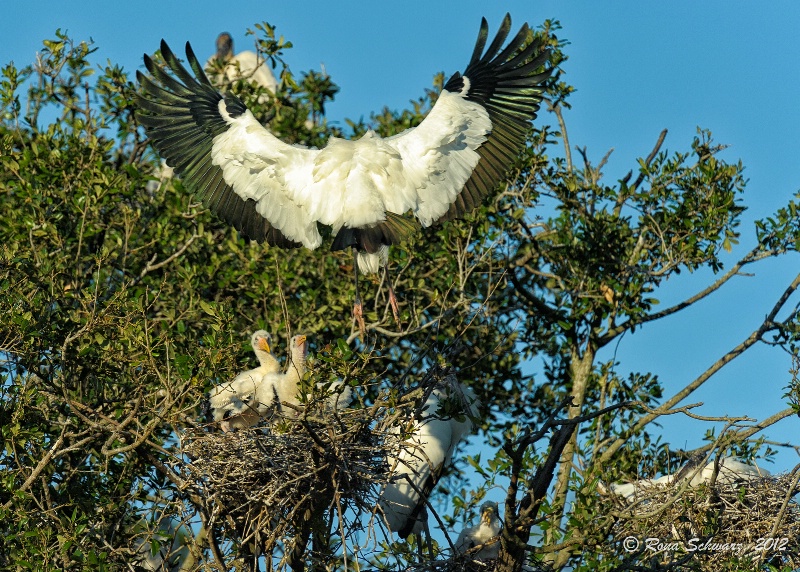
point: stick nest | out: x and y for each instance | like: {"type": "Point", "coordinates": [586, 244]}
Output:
{"type": "Point", "coordinates": [466, 563]}
{"type": "Point", "coordinates": [727, 526]}
{"type": "Point", "coordinates": [265, 482]}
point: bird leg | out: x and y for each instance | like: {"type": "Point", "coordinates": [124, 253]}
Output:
{"type": "Point", "coordinates": [428, 541]}
{"type": "Point", "coordinates": [358, 307]}
{"type": "Point", "coordinates": [420, 554]}
{"type": "Point", "coordinates": [392, 297]}
{"type": "Point", "coordinates": [423, 537]}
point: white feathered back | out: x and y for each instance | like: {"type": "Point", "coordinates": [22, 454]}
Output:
{"type": "Point", "coordinates": [423, 457]}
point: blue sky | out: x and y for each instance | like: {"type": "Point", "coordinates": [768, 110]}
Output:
{"type": "Point", "coordinates": [639, 67]}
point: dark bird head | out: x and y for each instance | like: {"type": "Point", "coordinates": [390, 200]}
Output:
{"type": "Point", "coordinates": [489, 512]}
{"type": "Point", "coordinates": [224, 46]}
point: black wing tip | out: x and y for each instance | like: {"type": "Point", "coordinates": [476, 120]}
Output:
{"type": "Point", "coordinates": [243, 216]}
{"type": "Point", "coordinates": [510, 84]}
{"type": "Point", "coordinates": [189, 52]}
{"type": "Point", "coordinates": [233, 105]}
{"type": "Point", "coordinates": [148, 63]}
{"type": "Point", "coordinates": [407, 528]}
{"type": "Point", "coordinates": [173, 94]}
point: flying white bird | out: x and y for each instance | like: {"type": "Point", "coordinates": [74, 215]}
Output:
{"type": "Point", "coordinates": [280, 193]}
{"type": "Point", "coordinates": [233, 404]}
{"type": "Point", "coordinates": [245, 65]}
{"type": "Point", "coordinates": [284, 387]}
{"type": "Point", "coordinates": [730, 471]}
{"type": "Point", "coordinates": [488, 528]}
{"type": "Point", "coordinates": [425, 455]}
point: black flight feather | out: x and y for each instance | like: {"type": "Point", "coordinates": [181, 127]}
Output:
{"type": "Point", "coordinates": [180, 113]}
{"type": "Point", "coordinates": [504, 81]}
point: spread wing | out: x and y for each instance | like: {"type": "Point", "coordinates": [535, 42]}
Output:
{"type": "Point", "coordinates": [273, 191]}
{"type": "Point", "coordinates": [236, 167]}
{"type": "Point", "coordinates": [508, 84]}
{"type": "Point", "coordinates": [473, 134]}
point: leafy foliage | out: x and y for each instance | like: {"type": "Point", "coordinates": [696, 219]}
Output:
{"type": "Point", "coordinates": [124, 302]}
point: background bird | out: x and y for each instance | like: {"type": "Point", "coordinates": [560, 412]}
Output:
{"type": "Point", "coordinates": [161, 175]}
{"type": "Point", "coordinates": [225, 67]}
{"type": "Point", "coordinates": [362, 189]}
{"type": "Point", "coordinates": [425, 455]}
{"type": "Point", "coordinates": [339, 395]}
{"type": "Point", "coordinates": [233, 404]}
{"type": "Point", "coordinates": [487, 529]}
{"type": "Point", "coordinates": [730, 470]}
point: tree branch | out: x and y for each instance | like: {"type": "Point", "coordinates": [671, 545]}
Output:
{"type": "Point", "coordinates": [751, 257]}
{"type": "Point", "coordinates": [650, 157]}
{"type": "Point", "coordinates": [756, 336]}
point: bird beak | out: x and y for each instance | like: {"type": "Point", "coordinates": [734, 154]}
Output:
{"type": "Point", "coordinates": [301, 340]}
{"type": "Point", "coordinates": [263, 344]}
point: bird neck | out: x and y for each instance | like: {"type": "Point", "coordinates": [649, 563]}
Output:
{"type": "Point", "coordinates": [492, 525]}
{"type": "Point", "coordinates": [265, 359]}
{"type": "Point", "coordinates": [224, 53]}
{"type": "Point", "coordinates": [297, 366]}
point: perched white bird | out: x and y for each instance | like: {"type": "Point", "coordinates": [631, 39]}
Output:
{"type": "Point", "coordinates": [338, 399]}
{"type": "Point", "coordinates": [337, 396]}
{"type": "Point", "coordinates": [280, 193]}
{"type": "Point", "coordinates": [425, 455]}
{"type": "Point", "coordinates": [284, 387]}
{"type": "Point", "coordinates": [488, 528]}
{"type": "Point", "coordinates": [730, 471]}
{"type": "Point", "coordinates": [245, 65]}
{"type": "Point", "coordinates": [234, 404]}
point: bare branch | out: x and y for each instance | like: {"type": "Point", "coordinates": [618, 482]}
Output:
{"type": "Point", "coordinates": [754, 255]}
{"type": "Point", "coordinates": [650, 157]}
{"type": "Point", "coordinates": [153, 265]}
{"type": "Point", "coordinates": [767, 325]}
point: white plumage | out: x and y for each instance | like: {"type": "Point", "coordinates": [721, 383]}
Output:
{"type": "Point", "coordinates": [730, 471]}
{"type": "Point", "coordinates": [233, 404]}
{"type": "Point", "coordinates": [424, 456]}
{"type": "Point", "coordinates": [242, 402]}
{"type": "Point", "coordinates": [285, 386]}
{"type": "Point", "coordinates": [162, 173]}
{"type": "Point", "coordinates": [353, 183]}
{"type": "Point", "coordinates": [245, 65]}
{"type": "Point", "coordinates": [362, 189]}
{"type": "Point", "coordinates": [338, 397]}
{"type": "Point", "coordinates": [487, 529]}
